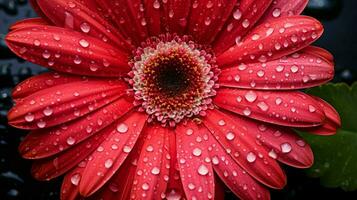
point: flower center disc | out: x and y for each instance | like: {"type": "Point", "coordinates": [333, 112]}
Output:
{"type": "Point", "coordinates": [173, 78]}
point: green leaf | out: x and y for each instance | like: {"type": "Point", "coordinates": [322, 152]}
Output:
{"type": "Point", "coordinates": [336, 156]}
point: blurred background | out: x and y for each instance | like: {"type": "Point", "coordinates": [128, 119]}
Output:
{"type": "Point", "coordinates": [340, 38]}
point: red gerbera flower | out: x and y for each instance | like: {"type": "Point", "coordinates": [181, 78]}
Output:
{"type": "Point", "coordinates": [151, 99]}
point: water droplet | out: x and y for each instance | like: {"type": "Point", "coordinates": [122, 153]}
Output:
{"type": "Point", "coordinates": [251, 157]}
{"type": "Point", "coordinates": [108, 163]}
{"type": "Point", "coordinates": [276, 12]}
{"type": "Point", "coordinates": [230, 136]}
{"type": "Point", "coordinates": [48, 111]}
{"type": "Point", "coordinates": [85, 27]}
{"type": "Point", "coordinates": [250, 96]}
{"type": "Point", "coordinates": [75, 179]}
{"type": "Point", "coordinates": [312, 108]}
{"type": "Point", "coordinates": [285, 147]}
{"type": "Point", "coordinates": [155, 170]}
{"type": "Point", "coordinates": [126, 149]}
{"type": "Point", "coordinates": [149, 148]}
{"type": "Point", "coordinates": [237, 14]}
{"type": "Point", "coordinates": [263, 106]}
{"type": "Point", "coordinates": [84, 43]}
{"type": "Point", "coordinates": [41, 124]}
{"type": "Point", "coordinates": [189, 131]}
{"type": "Point", "coordinates": [221, 122]}
{"type": "Point", "coordinates": [197, 152]}
{"type": "Point", "coordinates": [122, 128]}
{"type": "Point", "coordinates": [29, 117]}
{"type": "Point", "coordinates": [247, 112]}
{"type": "Point", "coordinates": [145, 186]}
{"type": "Point", "coordinates": [202, 170]}
{"type": "Point", "coordinates": [191, 186]}
{"type": "Point", "coordinates": [70, 140]}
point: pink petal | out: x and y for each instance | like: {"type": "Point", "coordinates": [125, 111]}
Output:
{"type": "Point", "coordinates": [252, 157]}
{"type": "Point", "coordinates": [296, 71]}
{"type": "Point", "coordinates": [234, 177]}
{"type": "Point", "coordinates": [282, 8]}
{"type": "Point", "coordinates": [194, 163]}
{"type": "Point", "coordinates": [282, 143]}
{"type": "Point", "coordinates": [207, 18]}
{"type": "Point", "coordinates": [244, 16]}
{"type": "Point", "coordinates": [174, 186]}
{"type": "Point", "coordinates": [175, 17]}
{"type": "Point", "coordinates": [29, 22]}
{"type": "Point", "coordinates": [332, 121]}
{"type": "Point", "coordinates": [67, 51]}
{"type": "Point", "coordinates": [52, 167]}
{"type": "Point", "coordinates": [152, 172]}
{"type": "Point", "coordinates": [285, 108]}
{"type": "Point", "coordinates": [317, 51]}
{"type": "Point", "coordinates": [77, 16]}
{"type": "Point", "coordinates": [120, 185]}
{"type": "Point", "coordinates": [273, 40]}
{"type": "Point", "coordinates": [47, 142]}
{"type": "Point", "coordinates": [63, 103]}
{"type": "Point", "coordinates": [129, 17]}
{"type": "Point", "coordinates": [44, 81]}
{"type": "Point", "coordinates": [111, 153]}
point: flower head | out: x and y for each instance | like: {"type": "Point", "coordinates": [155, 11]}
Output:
{"type": "Point", "coordinates": [150, 99]}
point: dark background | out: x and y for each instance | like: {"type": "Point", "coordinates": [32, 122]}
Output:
{"type": "Point", "coordinates": [340, 38]}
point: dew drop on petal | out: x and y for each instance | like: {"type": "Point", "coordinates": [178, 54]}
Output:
{"type": "Point", "coordinates": [47, 111]}
{"type": "Point", "coordinates": [230, 136]}
{"type": "Point", "coordinates": [70, 140]}
{"type": "Point", "coordinates": [250, 96]}
{"type": "Point", "coordinates": [41, 124]}
{"type": "Point", "coordinates": [108, 163]}
{"type": "Point", "coordinates": [202, 170]}
{"type": "Point", "coordinates": [197, 152]}
{"type": "Point", "coordinates": [145, 186]}
{"type": "Point", "coordinates": [122, 128]}
{"type": "Point", "coordinates": [251, 157]}
{"type": "Point", "coordinates": [85, 27]}
{"type": "Point", "coordinates": [84, 43]}
{"type": "Point", "coordinates": [155, 170]}
{"type": "Point", "coordinates": [29, 117]}
{"type": "Point", "coordinates": [285, 147]}
{"type": "Point", "coordinates": [75, 178]}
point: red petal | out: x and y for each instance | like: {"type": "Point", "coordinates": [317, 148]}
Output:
{"type": "Point", "coordinates": [77, 16]}
{"type": "Point", "coordinates": [62, 103]}
{"type": "Point", "coordinates": [194, 163]}
{"type": "Point", "coordinates": [120, 185]}
{"type": "Point", "coordinates": [38, 10]}
{"type": "Point", "coordinates": [245, 15]}
{"type": "Point", "coordinates": [44, 81]}
{"type": "Point", "coordinates": [69, 189]}
{"type": "Point", "coordinates": [281, 143]}
{"type": "Point", "coordinates": [252, 157]}
{"type": "Point", "coordinates": [296, 71]}
{"type": "Point", "coordinates": [174, 186]}
{"type": "Point", "coordinates": [112, 153]}
{"type": "Point", "coordinates": [278, 107]}
{"type": "Point", "coordinates": [176, 13]}
{"type": "Point", "coordinates": [129, 17]}
{"type": "Point", "coordinates": [151, 176]}
{"type": "Point", "coordinates": [234, 177]}
{"type": "Point", "coordinates": [273, 40]}
{"type": "Point", "coordinates": [49, 168]}
{"type": "Point", "coordinates": [282, 8]}
{"type": "Point", "coordinates": [67, 51]}
{"type": "Point", "coordinates": [153, 13]}
{"type": "Point", "coordinates": [30, 22]}
{"type": "Point", "coordinates": [208, 17]}
{"type": "Point", "coordinates": [47, 142]}
{"type": "Point", "coordinates": [317, 51]}
{"type": "Point", "coordinates": [331, 123]}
